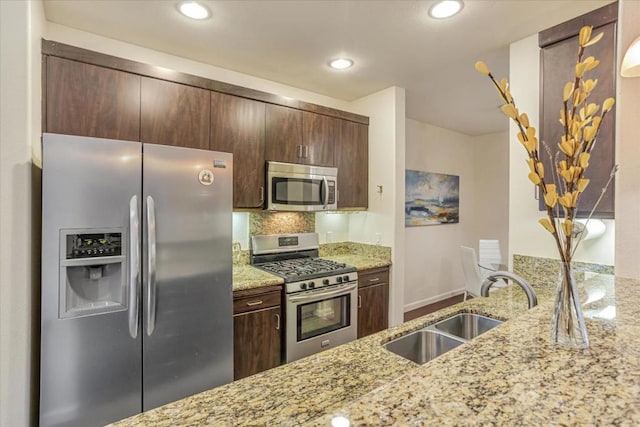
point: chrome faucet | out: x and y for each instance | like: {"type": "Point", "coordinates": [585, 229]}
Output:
{"type": "Point", "coordinates": [526, 287]}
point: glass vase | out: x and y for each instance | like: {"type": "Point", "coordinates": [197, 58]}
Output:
{"type": "Point", "coordinates": [568, 328]}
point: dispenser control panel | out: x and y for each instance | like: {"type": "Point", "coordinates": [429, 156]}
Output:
{"type": "Point", "coordinates": [89, 245]}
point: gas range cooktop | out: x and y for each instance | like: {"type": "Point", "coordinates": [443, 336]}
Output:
{"type": "Point", "coordinates": [305, 268]}
{"type": "Point", "coordinates": [294, 257]}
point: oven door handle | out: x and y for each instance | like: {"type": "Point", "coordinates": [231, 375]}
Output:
{"type": "Point", "coordinates": [315, 295]}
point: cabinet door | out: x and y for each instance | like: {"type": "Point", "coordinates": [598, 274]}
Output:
{"type": "Point", "coordinates": [373, 309]}
{"type": "Point", "coordinates": [352, 161]}
{"type": "Point", "coordinates": [283, 134]}
{"type": "Point", "coordinates": [87, 100]}
{"type": "Point", "coordinates": [174, 114]}
{"type": "Point", "coordinates": [256, 342]}
{"type": "Point", "coordinates": [558, 61]}
{"type": "Point", "coordinates": [318, 138]}
{"type": "Point", "coordinates": [237, 126]}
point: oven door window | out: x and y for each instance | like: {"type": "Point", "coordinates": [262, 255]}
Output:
{"type": "Point", "coordinates": [320, 317]}
{"type": "Point", "coordinates": [297, 191]}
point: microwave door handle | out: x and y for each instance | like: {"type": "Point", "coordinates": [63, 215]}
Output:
{"type": "Point", "coordinates": [326, 191]}
{"type": "Point", "coordinates": [316, 295]}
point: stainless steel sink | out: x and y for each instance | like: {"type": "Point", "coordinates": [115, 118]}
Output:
{"type": "Point", "coordinates": [466, 325]}
{"type": "Point", "coordinates": [423, 345]}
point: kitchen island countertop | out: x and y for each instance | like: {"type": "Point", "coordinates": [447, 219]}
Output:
{"type": "Point", "coordinates": [511, 375]}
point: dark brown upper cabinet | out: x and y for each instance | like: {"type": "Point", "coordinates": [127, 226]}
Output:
{"type": "Point", "coordinates": [352, 161]}
{"type": "Point", "coordinates": [318, 138]}
{"type": "Point", "coordinates": [558, 53]}
{"type": "Point", "coordinates": [174, 114]}
{"type": "Point", "coordinates": [93, 94]}
{"type": "Point", "coordinates": [87, 100]}
{"type": "Point", "coordinates": [283, 134]}
{"type": "Point", "coordinates": [295, 136]}
{"type": "Point", "coordinates": [238, 127]}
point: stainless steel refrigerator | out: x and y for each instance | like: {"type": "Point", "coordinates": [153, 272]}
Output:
{"type": "Point", "coordinates": [136, 277]}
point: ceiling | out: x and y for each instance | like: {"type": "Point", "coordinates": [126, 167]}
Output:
{"type": "Point", "coordinates": [393, 43]}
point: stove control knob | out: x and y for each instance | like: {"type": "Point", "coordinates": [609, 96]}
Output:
{"type": "Point", "coordinates": [345, 278]}
{"type": "Point", "coordinates": [303, 286]}
{"type": "Point", "coordinates": [312, 285]}
{"type": "Point", "coordinates": [339, 279]}
{"type": "Point", "coordinates": [325, 282]}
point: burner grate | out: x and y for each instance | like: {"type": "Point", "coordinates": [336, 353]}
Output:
{"type": "Point", "coordinates": [295, 269]}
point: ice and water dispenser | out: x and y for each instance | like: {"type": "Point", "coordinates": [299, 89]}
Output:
{"type": "Point", "coordinates": [92, 272]}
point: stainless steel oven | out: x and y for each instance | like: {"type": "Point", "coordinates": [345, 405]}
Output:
{"type": "Point", "coordinates": [293, 187]}
{"type": "Point", "coordinates": [321, 319]}
{"type": "Point", "coordinates": [320, 295]}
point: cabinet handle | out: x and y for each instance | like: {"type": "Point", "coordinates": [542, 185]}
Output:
{"type": "Point", "coordinates": [306, 151]}
{"type": "Point", "coordinates": [256, 302]}
{"type": "Point", "coordinates": [375, 279]}
{"type": "Point", "coordinates": [261, 195]}
{"type": "Point", "coordinates": [277, 321]}
{"type": "Point", "coordinates": [359, 301]}
{"type": "Point", "coordinates": [300, 151]}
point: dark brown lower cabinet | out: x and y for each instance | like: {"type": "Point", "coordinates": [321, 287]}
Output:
{"type": "Point", "coordinates": [373, 301]}
{"type": "Point", "coordinates": [257, 338]}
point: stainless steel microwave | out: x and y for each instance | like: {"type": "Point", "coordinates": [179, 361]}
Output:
{"type": "Point", "coordinates": [294, 187]}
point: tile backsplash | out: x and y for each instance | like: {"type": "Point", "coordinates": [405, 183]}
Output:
{"type": "Point", "coordinates": [281, 222]}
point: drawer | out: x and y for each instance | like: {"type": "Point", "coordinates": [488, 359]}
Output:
{"type": "Point", "coordinates": [373, 277]}
{"type": "Point", "coordinates": [257, 302]}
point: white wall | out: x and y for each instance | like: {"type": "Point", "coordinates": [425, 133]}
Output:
{"type": "Point", "coordinates": [432, 253]}
{"type": "Point", "coordinates": [385, 217]}
{"type": "Point", "coordinates": [627, 238]}
{"type": "Point", "coordinates": [491, 193]}
{"type": "Point", "coordinates": [21, 24]}
{"type": "Point", "coordinates": [526, 236]}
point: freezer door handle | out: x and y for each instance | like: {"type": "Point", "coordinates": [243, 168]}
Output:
{"type": "Point", "coordinates": [151, 259]}
{"type": "Point", "coordinates": [134, 267]}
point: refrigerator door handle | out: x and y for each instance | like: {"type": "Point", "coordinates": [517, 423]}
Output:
{"type": "Point", "coordinates": [151, 259]}
{"type": "Point", "coordinates": [134, 270]}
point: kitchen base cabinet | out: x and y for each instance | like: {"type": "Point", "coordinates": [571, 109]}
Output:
{"type": "Point", "coordinates": [257, 338]}
{"type": "Point", "coordinates": [373, 301]}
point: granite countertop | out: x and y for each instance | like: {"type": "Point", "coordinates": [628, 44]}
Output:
{"type": "Point", "coordinates": [361, 262]}
{"type": "Point", "coordinates": [248, 277]}
{"type": "Point", "coordinates": [511, 375]}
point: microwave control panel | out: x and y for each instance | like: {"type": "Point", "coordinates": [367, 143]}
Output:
{"type": "Point", "coordinates": [332, 191]}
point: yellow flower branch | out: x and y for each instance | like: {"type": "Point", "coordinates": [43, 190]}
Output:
{"type": "Point", "coordinates": [581, 126]}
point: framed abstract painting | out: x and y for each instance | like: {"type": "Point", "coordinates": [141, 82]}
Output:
{"type": "Point", "coordinates": [431, 198]}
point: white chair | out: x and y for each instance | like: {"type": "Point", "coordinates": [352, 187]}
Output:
{"type": "Point", "coordinates": [472, 277]}
{"type": "Point", "coordinates": [490, 259]}
{"type": "Point", "coordinates": [489, 253]}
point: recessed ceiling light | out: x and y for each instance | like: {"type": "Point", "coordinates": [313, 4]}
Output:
{"type": "Point", "coordinates": [445, 9]}
{"type": "Point", "coordinates": [341, 63]}
{"type": "Point", "coordinates": [193, 10]}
